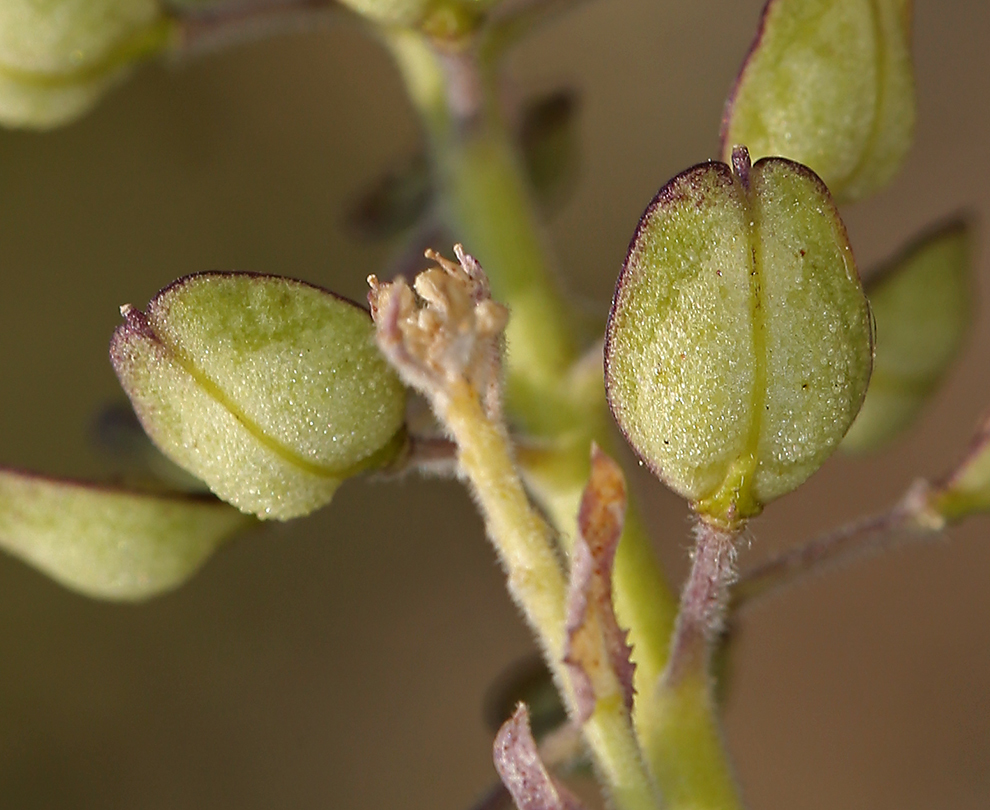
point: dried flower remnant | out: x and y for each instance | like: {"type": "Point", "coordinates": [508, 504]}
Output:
{"type": "Point", "coordinates": [444, 336]}
{"type": "Point", "coordinates": [444, 330]}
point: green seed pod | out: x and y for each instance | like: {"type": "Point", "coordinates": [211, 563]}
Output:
{"type": "Point", "coordinates": [828, 83]}
{"type": "Point", "coordinates": [269, 389]}
{"type": "Point", "coordinates": [110, 543]}
{"type": "Point", "coordinates": [738, 348]}
{"type": "Point", "coordinates": [57, 57]}
{"type": "Point", "coordinates": [922, 302]}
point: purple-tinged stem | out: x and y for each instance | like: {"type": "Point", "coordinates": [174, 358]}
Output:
{"type": "Point", "coordinates": [910, 518]}
{"type": "Point", "coordinates": [703, 604]}
{"type": "Point", "coordinates": [223, 24]}
{"type": "Point", "coordinates": [681, 732]}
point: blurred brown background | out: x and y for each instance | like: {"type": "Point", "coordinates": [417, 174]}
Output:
{"type": "Point", "coordinates": [341, 661]}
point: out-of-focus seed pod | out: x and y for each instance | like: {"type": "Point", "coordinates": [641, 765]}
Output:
{"type": "Point", "coordinates": [57, 57]}
{"type": "Point", "coordinates": [406, 13]}
{"type": "Point", "coordinates": [828, 83]}
{"type": "Point", "coordinates": [270, 390]}
{"type": "Point", "coordinates": [966, 490]}
{"type": "Point", "coordinates": [438, 18]}
{"type": "Point", "coordinates": [110, 543]}
{"type": "Point", "coordinates": [738, 348]}
{"type": "Point", "coordinates": [922, 303]}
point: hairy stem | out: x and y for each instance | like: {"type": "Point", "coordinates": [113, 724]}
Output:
{"type": "Point", "coordinates": [523, 539]}
{"type": "Point", "coordinates": [703, 604]}
{"type": "Point", "coordinates": [525, 544]}
{"type": "Point", "coordinates": [685, 749]}
{"type": "Point", "coordinates": [683, 740]}
{"type": "Point", "coordinates": [910, 518]}
{"type": "Point", "coordinates": [550, 396]}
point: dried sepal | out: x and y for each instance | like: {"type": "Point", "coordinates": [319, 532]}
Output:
{"type": "Point", "coordinates": [739, 345]}
{"type": "Point", "coordinates": [396, 201]}
{"type": "Point", "coordinates": [922, 304]}
{"type": "Point", "coordinates": [549, 146]}
{"type": "Point", "coordinates": [523, 773]}
{"type": "Point", "coordinates": [106, 542]}
{"type": "Point", "coordinates": [404, 194]}
{"type": "Point", "coordinates": [597, 653]}
{"type": "Point", "coordinates": [443, 330]}
{"type": "Point", "coordinates": [270, 390]}
{"type": "Point", "coordinates": [828, 83]}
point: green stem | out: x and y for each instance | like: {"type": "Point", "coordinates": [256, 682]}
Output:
{"type": "Point", "coordinates": [685, 748]}
{"type": "Point", "coordinates": [487, 204]}
{"type": "Point", "coordinates": [552, 397]}
{"type": "Point", "coordinates": [683, 741]}
{"type": "Point", "coordinates": [525, 545]}
{"type": "Point", "coordinates": [643, 602]}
